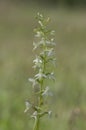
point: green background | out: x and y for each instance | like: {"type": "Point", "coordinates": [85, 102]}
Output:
{"type": "Point", "coordinates": [68, 102]}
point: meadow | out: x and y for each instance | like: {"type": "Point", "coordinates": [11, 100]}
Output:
{"type": "Point", "coordinates": [68, 101]}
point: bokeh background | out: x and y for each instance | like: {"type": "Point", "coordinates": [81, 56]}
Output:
{"type": "Point", "coordinates": [68, 103]}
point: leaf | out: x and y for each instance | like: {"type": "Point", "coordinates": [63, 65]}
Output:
{"type": "Point", "coordinates": [37, 108]}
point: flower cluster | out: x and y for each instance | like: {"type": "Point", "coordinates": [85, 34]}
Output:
{"type": "Point", "coordinates": [43, 60]}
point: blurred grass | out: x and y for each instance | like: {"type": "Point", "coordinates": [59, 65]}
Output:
{"type": "Point", "coordinates": [16, 37]}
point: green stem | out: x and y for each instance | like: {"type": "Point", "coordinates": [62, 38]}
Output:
{"type": "Point", "coordinates": [41, 99]}
{"type": "Point", "coordinates": [36, 124]}
{"type": "Point", "coordinates": [37, 119]}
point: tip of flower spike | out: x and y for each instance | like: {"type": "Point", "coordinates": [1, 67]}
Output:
{"type": "Point", "coordinates": [39, 15]}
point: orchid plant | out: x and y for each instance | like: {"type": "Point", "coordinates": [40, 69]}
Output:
{"type": "Point", "coordinates": [44, 59]}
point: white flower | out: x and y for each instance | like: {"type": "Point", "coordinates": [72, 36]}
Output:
{"type": "Point", "coordinates": [45, 92]}
{"type": "Point", "coordinates": [28, 105]}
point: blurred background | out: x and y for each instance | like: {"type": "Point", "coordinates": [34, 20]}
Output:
{"type": "Point", "coordinates": [68, 103]}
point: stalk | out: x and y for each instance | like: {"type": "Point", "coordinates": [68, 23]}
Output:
{"type": "Point", "coordinates": [37, 119]}
{"type": "Point", "coordinates": [36, 124]}
{"type": "Point", "coordinates": [41, 98]}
